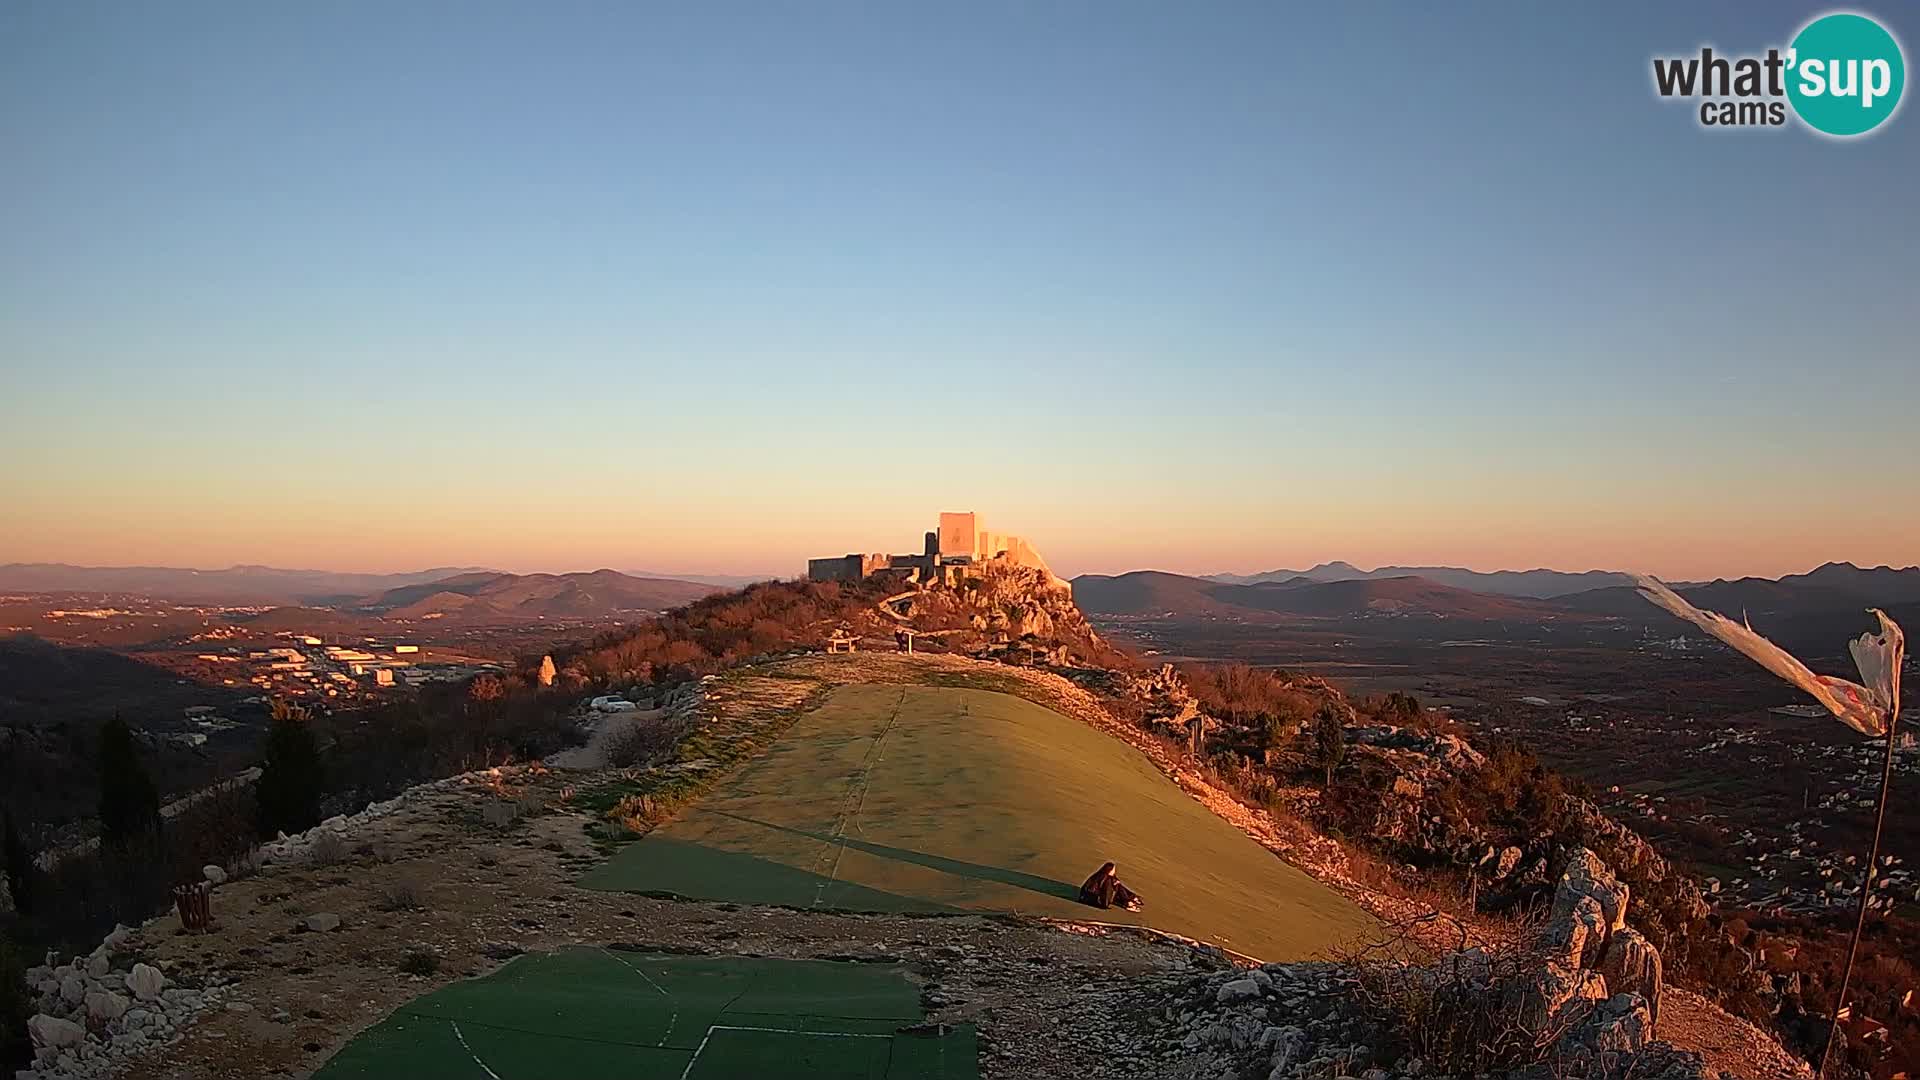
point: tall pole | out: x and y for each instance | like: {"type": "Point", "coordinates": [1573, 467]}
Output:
{"type": "Point", "coordinates": [1866, 885]}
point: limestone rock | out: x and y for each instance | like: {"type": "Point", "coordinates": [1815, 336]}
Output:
{"type": "Point", "coordinates": [98, 964]}
{"type": "Point", "coordinates": [1586, 875]}
{"type": "Point", "coordinates": [1574, 938]}
{"type": "Point", "coordinates": [1631, 964]}
{"type": "Point", "coordinates": [1617, 1030]}
{"type": "Point", "coordinates": [214, 874]}
{"type": "Point", "coordinates": [321, 922]}
{"type": "Point", "coordinates": [1237, 990]}
{"type": "Point", "coordinates": [145, 981]}
{"type": "Point", "coordinates": [53, 1032]}
{"type": "Point", "coordinates": [105, 1005]}
{"type": "Point", "coordinates": [1558, 996]}
{"type": "Point", "coordinates": [73, 989]}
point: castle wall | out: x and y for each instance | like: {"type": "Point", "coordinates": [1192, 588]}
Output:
{"type": "Point", "coordinates": [846, 567]}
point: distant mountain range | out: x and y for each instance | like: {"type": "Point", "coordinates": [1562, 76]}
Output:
{"type": "Point", "coordinates": [473, 592]}
{"type": "Point", "coordinates": [234, 585]}
{"type": "Point", "coordinates": [534, 596]}
{"type": "Point", "coordinates": [1149, 593]}
{"type": "Point", "coordinates": [1539, 584]}
{"type": "Point", "coordinates": [1830, 598]}
{"type": "Point", "coordinates": [724, 581]}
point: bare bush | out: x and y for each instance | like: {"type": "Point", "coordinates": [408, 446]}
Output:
{"type": "Point", "coordinates": [640, 813]}
{"type": "Point", "coordinates": [420, 962]}
{"type": "Point", "coordinates": [329, 849]}
{"type": "Point", "coordinates": [642, 743]}
{"type": "Point", "coordinates": [1471, 1012]}
{"type": "Point", "coordinates": [402, 896]}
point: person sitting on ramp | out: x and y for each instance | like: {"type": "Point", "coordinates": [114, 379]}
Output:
{"type": "Point", "coordinates": [1105, 890]}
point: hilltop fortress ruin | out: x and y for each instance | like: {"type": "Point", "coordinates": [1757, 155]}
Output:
{"type": "Point", "coordinates": [960, 548]}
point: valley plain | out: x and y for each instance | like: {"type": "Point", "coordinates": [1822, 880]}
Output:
{"type": "Point", "coordinates": [1720, 763]}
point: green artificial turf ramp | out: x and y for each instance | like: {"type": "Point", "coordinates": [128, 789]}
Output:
{"type": "Point", "coordinates": [626, 1015]}
{"type": "Point", "coordinates": [940, 799]}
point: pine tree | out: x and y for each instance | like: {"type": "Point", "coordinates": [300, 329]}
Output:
{"type": "Point", "coordinates": [129, 803]}
{"type": "Point", "coordinates": [1330, 739]}
{"type": "Point", "coordinates": [19, 864]}
{"type": "Point", "coordinates": [16, 1005]}
{"type": "Point", "coordinates": [291, 779]}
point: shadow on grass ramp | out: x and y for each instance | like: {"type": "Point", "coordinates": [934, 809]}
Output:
{"type": "Point", "coordinates": [614, 1013]}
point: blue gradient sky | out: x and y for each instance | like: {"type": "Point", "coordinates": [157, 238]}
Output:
{"type": "Point", "coordinates": [718, 286]}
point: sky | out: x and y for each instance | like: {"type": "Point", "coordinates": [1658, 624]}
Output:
{"type": "Point", "coordinates": [715, 287]}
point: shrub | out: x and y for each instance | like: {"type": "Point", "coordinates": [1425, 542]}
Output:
{"type": "Point", "coordinates": [329, 849]}
{"type": "Point", "coordinates": [19, 864]}
{"type": "Point", "coordinates": [402, 896]}
{"type": "Point", "coordinates": [642, 742]}
{"type": "Point", "coordinates": [1245, 696]}
{"type": "Point", "coordinates": [1329, 739]}
{"type": "Point", "coordinates": [637, 813]}
{"type": "Point", "coordinates": [16, 1006]}
{"type": "Point", "coordinates": [291, 779]}
{"type": "Point", "coordinates": [1465, 1015]}
{"type": "Point", "coordinates": [420, 962]}
{"type": "Point", "coordinates": [1274, 731]}
{"type": "Point", "coordinates": [129, 803]}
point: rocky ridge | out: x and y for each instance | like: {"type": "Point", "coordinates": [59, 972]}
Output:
{"type": "Point", "coordinates": [1581, 1002]}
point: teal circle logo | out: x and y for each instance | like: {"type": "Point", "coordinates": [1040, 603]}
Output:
{"type": "Point", "coordinates": [1845, 74]}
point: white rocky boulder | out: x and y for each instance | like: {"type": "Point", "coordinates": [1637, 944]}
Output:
{"type": "Point", "coordinates": [105, 1005]}
{"type": "Point", "coordinates": [1574, 938]}
{"type": "Point", "coordinates": [53, 1032]}
{"type": "Point", "coordinates": [145, 981]}
{"type": "Point", "coordinates": [1558, 996]}
{"type": "Point", "coordinates": [214, 874]}
{"type": "Point", "coordinates": [1631, 965]}
{"type": "Point", "coordinates": [1237, 990]}
{"type": "Point", "coordinates": [1586, 875]}
{"type": "Point", "coordinates": [73, 989]}
{"type": "Point", "coordinates": [1617, 1030]}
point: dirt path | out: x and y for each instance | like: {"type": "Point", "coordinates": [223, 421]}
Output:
{"type": "Point", "coordinates": [609, 726]}
{"type": "Point", "coordinates": [1691, 1022]}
